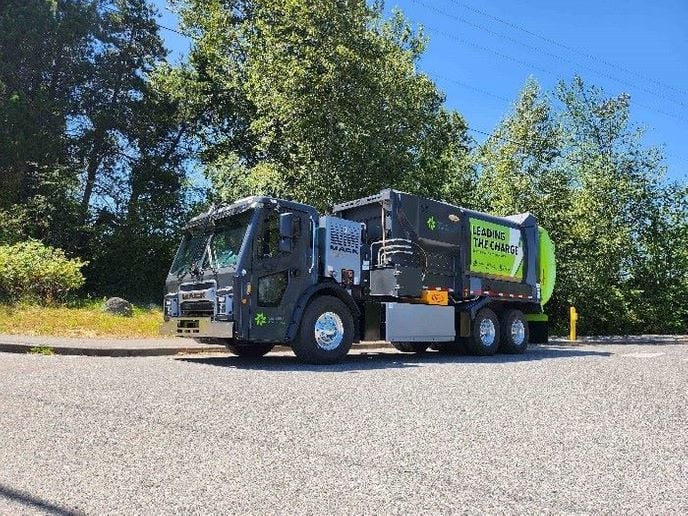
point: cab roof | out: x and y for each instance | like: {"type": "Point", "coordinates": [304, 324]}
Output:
{"type": "Point", "coordinates": [226, 210]}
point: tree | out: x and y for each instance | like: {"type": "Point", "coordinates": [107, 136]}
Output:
{"type": "Point", "coordinates": [43, 49]}
{"type": "Point", "coordinates": [321, 102]}
{"type": "Point", "coordinates": [659, 283]}
{"type": "Point", "coordinates": [107, 121]}
{"type": "Point", "coordinates": [521, 166]}
{"type": "Point", "coordinates": [617, 181]}
{"type": "Point", "coordinates": [93, 127]}
{"type": "Point", "coordinates": [581, 166]}
{"type": "Point", "coordinates": [144, 228]}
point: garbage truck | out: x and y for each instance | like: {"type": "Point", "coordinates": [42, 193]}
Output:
{"type": "Point", "coordinates": [417, 273]}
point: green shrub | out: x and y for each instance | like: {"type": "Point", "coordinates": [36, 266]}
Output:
{"type": "Point", "coordinates": [32, 270]}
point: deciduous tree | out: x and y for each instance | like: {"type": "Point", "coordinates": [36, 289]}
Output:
{"type": "Point", "coordinates": [321, 101]}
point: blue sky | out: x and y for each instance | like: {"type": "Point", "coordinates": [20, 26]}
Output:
{"type": "Point", "coordinates": [481, 53]}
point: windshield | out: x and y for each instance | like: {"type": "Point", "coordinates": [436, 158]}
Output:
{"type": "Point", "coordinates": [219, 248]}
{"type": "Point", "coordinates": [223, 248]}
{"type": "Point", "coordinates": [182, 261]}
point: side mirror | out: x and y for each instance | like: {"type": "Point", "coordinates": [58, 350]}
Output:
{"type": "Point", "coordinates": [286, 231]}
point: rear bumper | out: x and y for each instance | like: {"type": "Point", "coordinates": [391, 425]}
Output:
{"type": "Point", "coordinates": [197, 327]}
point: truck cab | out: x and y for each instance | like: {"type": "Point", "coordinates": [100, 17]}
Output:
{"type": "Point", "coordinates": [244, 274]}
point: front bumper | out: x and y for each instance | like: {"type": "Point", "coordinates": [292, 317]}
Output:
{"type": "Point", "coordinates": [197, 327]}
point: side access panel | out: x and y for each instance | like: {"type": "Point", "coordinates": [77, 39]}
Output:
{"type": "Point", "coordinates": [406, 322]}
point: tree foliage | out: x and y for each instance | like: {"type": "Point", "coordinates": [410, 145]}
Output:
{"type": "Point", "coordinates": [91, 134]}
{"type": "Point", "coordinates": [320, 101]}
{"type": "Point", "coordinates": [43, 55]}
{"type": "Point", "coordinates": [574, 159]}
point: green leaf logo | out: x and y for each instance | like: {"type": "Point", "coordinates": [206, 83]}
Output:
{"type": "Point", "coordinates": [432, 223]}
{"type": "Point", "coordinates": [261, 319]}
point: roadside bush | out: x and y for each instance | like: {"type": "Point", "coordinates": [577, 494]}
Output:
{"type": "Point", "coordinates": [11, 227]}
{"type": "Point", "coordinates": [31, 270]}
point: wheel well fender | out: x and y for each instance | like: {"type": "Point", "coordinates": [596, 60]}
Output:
{"type": "Point", "coordinates": [322, 289]}
{"type": "Point", "coordinates": [472, 307]}
{"type": "Point", "coordinates": [496, 305]}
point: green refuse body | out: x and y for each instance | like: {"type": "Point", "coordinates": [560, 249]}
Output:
{"type": "Point", "coordinates": [548, 268]}
{"type": "Point", "coordinates": [468, 253]}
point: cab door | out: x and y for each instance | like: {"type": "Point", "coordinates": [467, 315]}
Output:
{"type": "Point", "coordinates": [278, 276]}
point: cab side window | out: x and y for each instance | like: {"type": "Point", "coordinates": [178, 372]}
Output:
{"type": "Point", "coordinates": [268, 244]}
{"type": "Point", "coordinates": [271, 288]}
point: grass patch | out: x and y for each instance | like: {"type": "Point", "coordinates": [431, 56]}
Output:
{"type": "Point", "coordinates": [82, 318]}
{"type": "Point", "coordinates": [41, 350]}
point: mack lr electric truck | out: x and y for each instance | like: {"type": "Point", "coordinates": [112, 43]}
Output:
{"type": "Point", "coordinates": [393, 267]}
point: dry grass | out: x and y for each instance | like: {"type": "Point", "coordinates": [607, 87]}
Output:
{"type": "Point", "coordinates": [84, 319]}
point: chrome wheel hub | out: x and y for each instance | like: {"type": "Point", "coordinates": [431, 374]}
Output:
{"type": "Point", "coordinates": [518, 332]}
{"type": "Point", "coordinates": [329, 331]}
{"type": "Point", "coordinates": [487, 332]}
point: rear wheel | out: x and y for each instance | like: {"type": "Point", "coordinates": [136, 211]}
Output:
{"type": "Point", "coordinates": [514, 332]}
{"type": "Point", "coordinates": [326, 332]}
{"type": "Point", "coordinates": [484, 339]}
{"type": "Point", "coordinates": [411, 347]}
{"type": "Point", "coordinates": [254, 350]}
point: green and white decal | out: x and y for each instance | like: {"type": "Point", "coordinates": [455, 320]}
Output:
{"type": "Point", "coordinates": [261, 319]}
{"type": "Point", "coordinates": [496, 250]}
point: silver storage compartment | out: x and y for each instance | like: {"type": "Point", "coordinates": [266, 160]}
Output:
{"type": "Point", "coordinates": [406, 322]}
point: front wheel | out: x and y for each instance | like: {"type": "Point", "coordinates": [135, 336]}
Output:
{"type": "Point", "coordinates": [255, 350]}
{"type": "Point", "coordinates": [326, 332]}
{"type": "Point", "coordinates": [484, 339]}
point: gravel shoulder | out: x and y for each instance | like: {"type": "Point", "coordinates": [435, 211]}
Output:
{"type": "Point", "coordinates": [561, 429]}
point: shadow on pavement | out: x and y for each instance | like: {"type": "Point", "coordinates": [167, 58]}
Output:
{"type": "Point", "coordinates": [388, 359]}
{"type": "Point", "coordinates": [33, 501]}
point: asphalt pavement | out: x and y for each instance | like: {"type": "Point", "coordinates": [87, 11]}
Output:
{"type": "Point", "coordinates": [586, 429]}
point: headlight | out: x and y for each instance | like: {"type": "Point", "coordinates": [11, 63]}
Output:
{"type": "Point", "coordinates": [224, 305]}
{"type": "Point", "coordinates": [171, 306]}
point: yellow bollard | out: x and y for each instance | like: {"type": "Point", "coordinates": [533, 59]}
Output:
{"type": "Point", "coordinates": [573, 319]}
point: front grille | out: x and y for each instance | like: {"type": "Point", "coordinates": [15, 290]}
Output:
{"type": "Point", "coordinates": [188, 287]}
{"type": "Point", "coordinates": [197, 309]}
{"type": "Point", "coordinates": [345, 236]}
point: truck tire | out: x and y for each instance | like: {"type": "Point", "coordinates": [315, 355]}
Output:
{"type": "Point", "coordinates": [255, 350]}
{"type": "Point", "coordinates": [411, 347]}
{"type": "Point", "coordinates": [484, 339]}
{"type": "Point", "coordinates": [326, 332]}
{"type": "Point", "coordinates": [514, 332]}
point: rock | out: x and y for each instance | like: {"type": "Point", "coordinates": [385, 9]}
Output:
{"type": "Point", "coordinates": [118, 306]}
